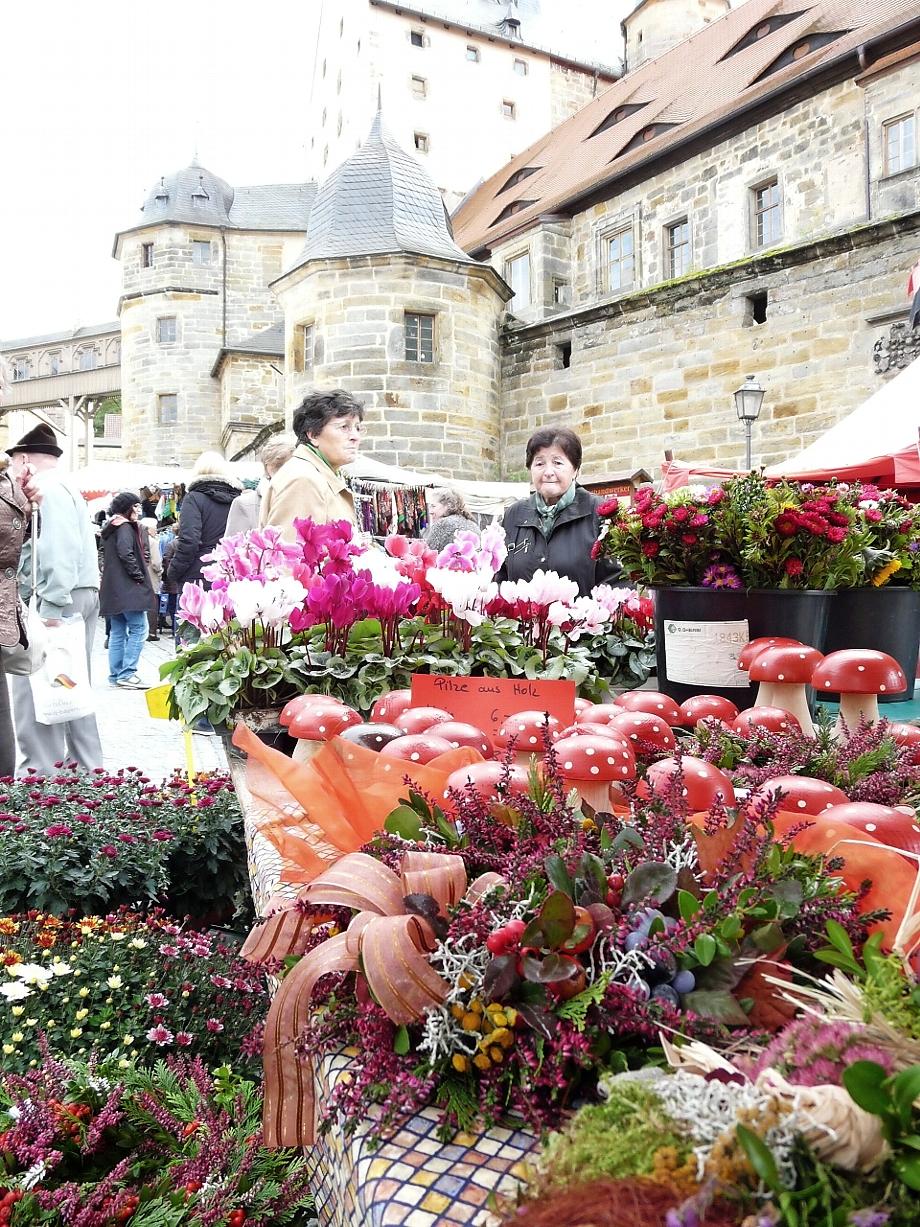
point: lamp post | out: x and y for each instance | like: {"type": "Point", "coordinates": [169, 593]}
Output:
{"type": "Point", "coordinates": [748, 403]}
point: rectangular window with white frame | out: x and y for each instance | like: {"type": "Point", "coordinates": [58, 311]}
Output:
{"type": "Point", "coordinates": [677, 248]}
{"type": "Point", "coordinates": [22, 369]}
{"type": "Point", "coordinates": [766, 214]}
{"type": "Point", "coordinates": [618, 250]}
{"type": "Point", "coordinates": [307, 339]}
{"type": "Point", "coordinates": [419, 330]}
{"type": "Point", "coordinates": [900, 142]}
{"type": "Point", "coordinates": [201, 251]}
{"type": "Point", "coordinates": [472, 54]}
{"type": "Point", "coordinates": [166, 330]}
{"type": "Point", "coordinates": [517, 274]}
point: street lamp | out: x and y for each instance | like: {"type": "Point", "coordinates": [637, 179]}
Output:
{"type": "Point", "coordinates": [748, 402]}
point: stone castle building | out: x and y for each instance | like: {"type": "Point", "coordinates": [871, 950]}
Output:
{"type": "Point", "coordinates": [506, 70]}
{"type": "Point", "coordinates": [747, 202]}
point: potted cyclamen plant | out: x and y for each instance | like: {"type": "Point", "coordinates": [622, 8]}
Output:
{"type": "Point", "coordinates": [735, 562]}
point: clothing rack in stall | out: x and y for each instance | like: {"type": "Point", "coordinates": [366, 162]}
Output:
{"type": "Point", "coordinates": [383, 507]}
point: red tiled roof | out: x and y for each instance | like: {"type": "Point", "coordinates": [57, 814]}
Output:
{"type": "Point", "coordinates": [696, 85]}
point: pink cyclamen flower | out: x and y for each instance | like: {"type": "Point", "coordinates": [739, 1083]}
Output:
{"type": "Point", "coordinates": [160, 1035]}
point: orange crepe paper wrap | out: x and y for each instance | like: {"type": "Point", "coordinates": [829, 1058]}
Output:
{"type": "Point", "coordinates": [390, 946]}
{"type": "Point", "coordinates": [892, 875]}
{"type": "Point", "coordinates": [345, 791]}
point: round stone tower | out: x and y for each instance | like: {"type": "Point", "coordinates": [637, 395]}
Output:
{"type": "Point", "coordinates": [173, 317]}
{"type": "Point", "coordinates": [382, 302]}
{"type": "Point", "coordinates": [655, 26]}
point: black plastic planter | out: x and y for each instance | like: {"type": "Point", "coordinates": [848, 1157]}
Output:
{"type": "Point", "coordinates": [886, 619]}
{"type": "Point", "coordinates": [699, 631]}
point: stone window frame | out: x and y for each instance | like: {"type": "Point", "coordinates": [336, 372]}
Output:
{"type": "Point", "coordinates": [473, 54]}
{"type": "Point", "coordinates": [304, 346]}
{"type": "Point", "coordinates": [417, 37]}
{"type": "Point", "coordinates": [421, 141]}
{"type": "Point", "coordinates": [520, 67]}
{"type": "Point", "coordinates": [418, 87]}
{"type": "Point", "coordinates": [668, 248]}
{"type": "Point", "coordinates": [147, 257]}
{"type": "Point", "coordinates": [158, 333]}
{"type": "Point", "coordinates": [897, 121]}
{"type": "Point", "coordinates": [509, 108]}
{"type": "Point", "coordinates": [512, 257]}
{"type": "Point", "coordinates": [765, 181]}
{"type": "Point", "coordinates": [417, 342]}
{"type": "Point", "coordinates": [20, 368]}
{"type": "Point", "coordinates": [88, 352]}
{"type": "Point", "coordinates": [55, 360]}
{"type": "Point", "coordinates": [608, 229]}
{"type": "Point", "coordinates": [198, 246]}
{"type": "Point", "coordinates": [171, 418]}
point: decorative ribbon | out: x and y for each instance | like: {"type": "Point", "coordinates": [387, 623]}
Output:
{"type": "Point", "coordinates": [390, 946]}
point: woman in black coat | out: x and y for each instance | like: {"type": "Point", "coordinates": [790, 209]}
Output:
{"type": "Point", "coordinates": [125, 592]}
{"type": "Point", "coordinates": [202, 518]}
{"type": "Point", "coordinates": [556, 527]}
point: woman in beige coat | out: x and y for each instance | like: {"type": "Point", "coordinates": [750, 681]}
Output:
{"type": "Point", "coordinates": [328, 427]}
{"type": "Point", "coordinates": [14, 528]}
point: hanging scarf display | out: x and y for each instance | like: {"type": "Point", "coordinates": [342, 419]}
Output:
{"type": "Point", "coordinates": [382, 508]}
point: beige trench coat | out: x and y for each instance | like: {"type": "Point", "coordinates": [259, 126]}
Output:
{"type": "Point", "coordinates": [305, 487]}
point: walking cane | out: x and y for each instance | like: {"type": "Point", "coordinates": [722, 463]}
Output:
{"type": "Point", "coordinates": [33, 541]}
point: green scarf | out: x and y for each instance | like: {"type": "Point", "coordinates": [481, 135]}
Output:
{"type": "Point", "coordinates": [316, 452]}
{"type": "Point", "coordinates": [547, 514]}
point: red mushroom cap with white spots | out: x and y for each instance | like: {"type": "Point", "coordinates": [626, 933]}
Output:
{"type": "Point", "coordinates": [373, 735]}
{"type": "Point", "coordinates": [528, 730]}
{"type": "Point", "coordinates": [773, 719]}
{"type": "Point", "coordinates": [653, 702]}
{"type": "Point", "coordinates": [752, 649]}
{"type": "Point", "coordinates": [707, 707]}
{"type": "Point", "coordinates": [318, 723]}
{"type": "Point", "coordinates": [598, 713]}
{"type": "Point", "coordinates": [416, 747]}
{"type": "Point", "coordinates": [390, 705]}
{"type": "Point", "coordinates": [459, 734]}
{"type": "Point", "coordinates": [418, 719]}
{"type": "Point", "coordinates": [889, 826]}
{"type": "Point", "coordinates": [702, 782]}
{"type": "Point", "coordinates": [586, 757]}
{"type": "Point", "coordinates": [859, 671]}
{"type": "Point", "coordinates": [596, 729]}
{"type": "Point", "coordinates": [581, 705]}
{"type": "Point", "coordinates": [303, 702]}
{"type": "Point", "coordinates": [642, 726]}
{"type": "Point", "coordinates": [903, 734]}
{"type": "Point", "coordinates": [801, 793]}
{"type": "Point", "coordinates": [791, 664]}
{"type": "Point", "coordinates": [487, 778]}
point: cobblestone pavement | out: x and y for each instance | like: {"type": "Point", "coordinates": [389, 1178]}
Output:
{"type": "Point", "coordinates": [130, 737]}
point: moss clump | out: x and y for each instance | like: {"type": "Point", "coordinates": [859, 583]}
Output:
{"type": "Point", "coordinates": [625, 1136]}
{"type": "Point", "coordinates": [887, 991]}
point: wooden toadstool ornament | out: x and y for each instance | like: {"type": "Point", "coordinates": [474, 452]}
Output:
{"type": "Point", "coordinates": [591, 764]}
{"type": "Point", "coordinates": [773, 719]}
{"type": "Point", "coordinates": [318, 723]}
{"type": "Point", "coordinates": [371, 735]}
{"type": "Point", "coordinates": [529, 732]}
{"type": "Point", "coordinates": [491, 780]}
{"type": "Point", "coordinates": [458, 733]}
{"type": "Point", "coordinates": [747, 654]}
{"type": "Point", "coordinates": [703, 783]}
{"type": "Point", "coordinates": [420, 719]}
{"type": "Point", "coordinates": [304, 702]}
{"type": "Point", "coordinates": [859, 675]}
{"type": "Point", "coordinates": [416, 747]}
{"type": "Point", "coordinates": [788, 669]}
{"type": "Point", "coordinates": [895, 827]}
{"type": "Point", "coordinates": [390, 705]}
{"type": "Point", "coordinates": [653, 702]}
{"type": "Point", "coordinates": [641, 726]}
{"type": "Point", "coordinates": [707, 707]}
{"type": "Point", "coordinates": [801, 794]}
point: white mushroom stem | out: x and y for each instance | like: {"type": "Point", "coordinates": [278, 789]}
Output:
{"type": "Point", "coordinates": [853, 709]}
{"type": "Point", "coordinates": [766, 696]}
{"type": "Point", "coordinates": [595, 792]}
{"type": "Point", "coordinates": [791, 698]}
{"type": "Point", "coordinates": [305, 749]}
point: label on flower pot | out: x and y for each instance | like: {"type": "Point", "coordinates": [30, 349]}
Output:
{"type": "Point", "coordinates": [705, 653]}
{"type": "Point", "coordinates": [488, 701]}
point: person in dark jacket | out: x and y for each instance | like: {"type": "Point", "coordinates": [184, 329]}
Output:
{"type": "Point", "coordinates": [126, 592]}
{"type": "Point", "coordinates": [555, 528]}
{"type": "Point", "coordinates": [203, 517]}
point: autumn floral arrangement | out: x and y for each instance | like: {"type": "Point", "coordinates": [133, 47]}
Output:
{"type": "Point", "coordinates": [330, 613]}
{"type": "Point", "coordinates": [95, 841]}
{"type": "Point", "coordinates": [752, 533]}
{"type": "Point", "coordinates": [493, 957]}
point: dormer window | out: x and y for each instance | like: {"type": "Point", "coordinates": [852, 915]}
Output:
{"type": "Point", "coordinates": [646, 135]}
{"type": "Point", "coordinates": [763, 30]}
{"type": "Point", "coordinates": [161, 194]}
{"type": "Point", "coordinates": [800, 49]}
{"type": "Point", "coordinates": [518, 177]}
{"type": "Point", "coordinates": [200, 197]}
{"type": "Point", "coordinates": [516, 206]}
{"type": "Point", "coordinates": [617, 115]}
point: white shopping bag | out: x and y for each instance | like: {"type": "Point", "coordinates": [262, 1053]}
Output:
{"type": "Point", "coordinates": [61, 689]}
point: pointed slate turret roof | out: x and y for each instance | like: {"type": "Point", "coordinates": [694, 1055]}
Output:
{"type": "Point", "coordinates": [380, 200]}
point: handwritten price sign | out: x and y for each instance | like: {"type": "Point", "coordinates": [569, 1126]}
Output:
{"type": "Point", "coordinates": [488, 701]}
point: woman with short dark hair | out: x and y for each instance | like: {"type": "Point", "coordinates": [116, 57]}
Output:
{"type": "Point", "coordinates": [126, 592]}
{"type": "Point", "coordinates": [556, 527]}
{"type": "Point", "coordinates": [328, 426]}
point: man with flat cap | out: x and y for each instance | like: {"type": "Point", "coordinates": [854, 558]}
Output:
{"type": "Point", "coordinates": [68, 584]}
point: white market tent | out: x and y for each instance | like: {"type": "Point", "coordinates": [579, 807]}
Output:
{"type": "Point", "coordinates": [482, 497]}
{"type": "Point", "coordinates": [880, 438]}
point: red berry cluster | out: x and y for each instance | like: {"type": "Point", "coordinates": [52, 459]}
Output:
{"type": "Point", "coordinates": [8, 1199]}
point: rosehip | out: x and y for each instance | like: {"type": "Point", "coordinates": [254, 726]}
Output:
{"type": "Point", "coordinates": [514, 931]}
{"type": "Point", "coordinates": [496, 943]}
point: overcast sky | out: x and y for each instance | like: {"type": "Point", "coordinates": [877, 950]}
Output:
{"type": "Point", "coordinates": [99, 99]}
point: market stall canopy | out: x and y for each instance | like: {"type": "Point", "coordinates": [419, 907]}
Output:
{"type": "Point", "coordinates": [100, 480]}
{"type": "Point", "coordinates": [879, 441]}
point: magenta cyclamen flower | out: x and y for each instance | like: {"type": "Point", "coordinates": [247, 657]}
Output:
{"type": "Point", "coordinates": [721, 575]}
